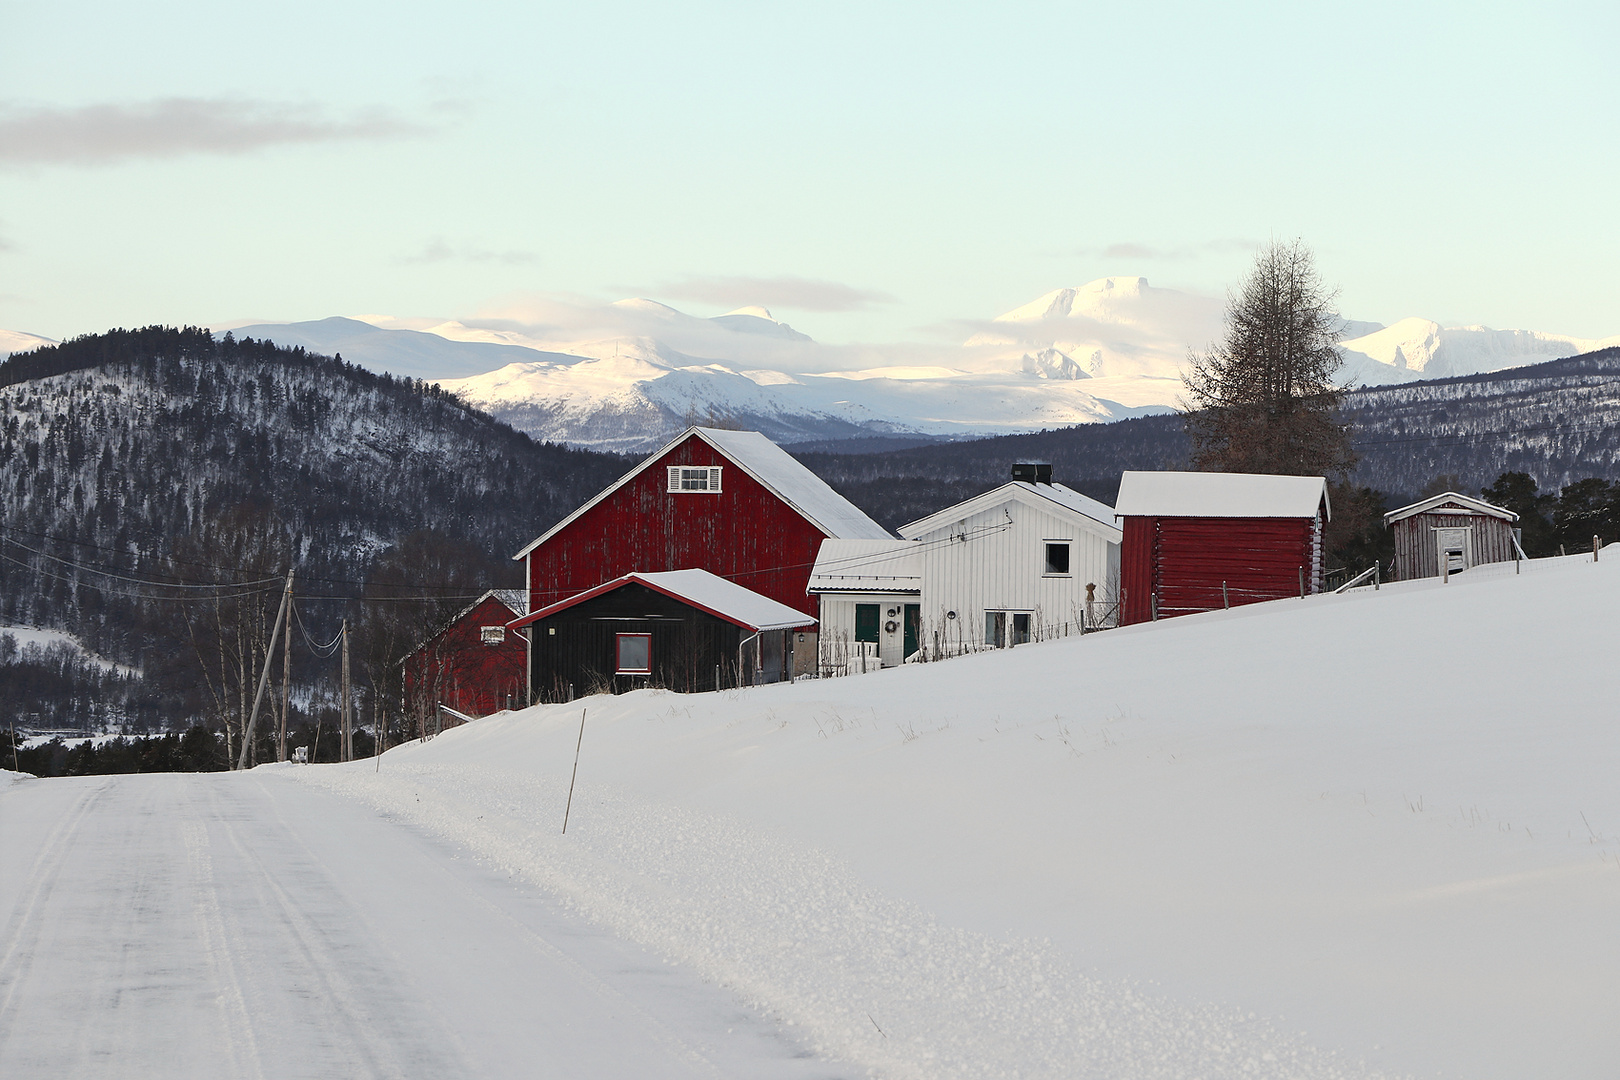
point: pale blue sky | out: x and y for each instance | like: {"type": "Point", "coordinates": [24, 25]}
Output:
{"type": "Point", "coordinates": [871, 172]}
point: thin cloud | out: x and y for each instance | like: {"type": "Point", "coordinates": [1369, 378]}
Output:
{"type": "Point", "coordinates": [1144, 252]}
{"type": "Point", "coordinates": [173, 127]}
{"type": "Point", "coordinates": [799, 294]}
{"type": "Point", "coordinates": [438, 251]}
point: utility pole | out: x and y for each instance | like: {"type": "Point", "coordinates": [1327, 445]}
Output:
{"type": "Point", "coordinates": [264, 676]}
{"type": "Point", "coordinates": [347, 753]}
{"type": "Point", "coordinates": [286, 676]}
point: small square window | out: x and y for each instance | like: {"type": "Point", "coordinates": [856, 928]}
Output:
{"type": "Point", "coordinates": [492, 635]}
{"type": "Point", "coordinates": [1057, 557]}
{"type": "Point", "coordinates": [634, 654]}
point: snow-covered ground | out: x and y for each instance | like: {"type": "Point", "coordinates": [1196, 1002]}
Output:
{"type": "Point", "coordinates": [1373, 834]}
{"type": "Point", "coordinates": [233, 925]}
{"type": "Point", "coordinates": [26, 636]}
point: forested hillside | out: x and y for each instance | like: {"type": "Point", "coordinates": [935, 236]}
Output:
{"type": "Point", "coordinates": [156, 484]}
{"type": "Point", "coordinates": [1558, 422]}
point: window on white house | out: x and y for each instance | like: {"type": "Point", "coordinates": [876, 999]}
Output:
{"type": "Point", "coordinates": [634, 654]}
{"type": "Point", "coordinates": [687, 478]}
{"type": "Point", "coordinates": [1057, 558]}
{"type": "Point", "coordinates": [1003, 629]}
{"type": "Point", "coordinates": [1020, 628]}
{"type": "Point", "coordinates": [995, 629]}
{"type": "Point", "coordinates": [492, 635]}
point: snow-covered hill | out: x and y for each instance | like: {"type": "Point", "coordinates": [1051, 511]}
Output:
{"type": "Point", "coordinates": [1189, 848]}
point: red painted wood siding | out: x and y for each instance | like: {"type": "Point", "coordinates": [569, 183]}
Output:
{"type": "Point", "coordinates": [456, 668]}
{"type": "Point", "coordinates": [744, 533]}
{"type": "Point", "coordinates": [1180, 563]}
{"type": "Point", "coordinates": [1136, 569]}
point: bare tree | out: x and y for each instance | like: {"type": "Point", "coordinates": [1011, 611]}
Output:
{"type": "Point", "coordinates": [1264, 400]}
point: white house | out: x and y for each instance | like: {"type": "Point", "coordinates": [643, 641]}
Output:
{"type": "Point", "coordinates": [871, 602]}
{"type": "Point", "coordinates": [1015, 564]}
{"type": "Point", "coordinates": [1026, 561]}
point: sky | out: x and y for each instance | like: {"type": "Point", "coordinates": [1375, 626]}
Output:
{"type": "Point", "coordinates": [870, 172]}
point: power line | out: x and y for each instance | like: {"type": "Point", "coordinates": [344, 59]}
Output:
{"type": "Point", "coordinates": [90, 569]}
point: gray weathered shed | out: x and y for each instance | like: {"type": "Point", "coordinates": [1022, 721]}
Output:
{"type": "Point", "coordinates": [1448, 533]}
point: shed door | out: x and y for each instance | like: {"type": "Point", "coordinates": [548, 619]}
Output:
{"type": "Point", "coordinates": [913, 636]}
{"type": "Point", "coordinates": [1456, 549]}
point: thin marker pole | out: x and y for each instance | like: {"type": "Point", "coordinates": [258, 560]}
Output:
{"type": "Point", "coordinates": [580, 742]}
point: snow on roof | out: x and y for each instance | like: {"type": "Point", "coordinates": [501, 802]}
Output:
{"type": "Point", "coordinates": [1209, 494]}
{"type": "Point", "coordinates": [701, 589]}
{"type": "Point", "coordinates": [867, 566]}
{"type": "Point", "coordinates": [1098, 515]}
{"type": "Point", "coordinates": [780, 473]}
{"type": "Point", "coordinates": [515, 599]}
{"type": "Point", "coordinates": [1465, 504]}
{"type": "Point", "coordinates": [783, 474]}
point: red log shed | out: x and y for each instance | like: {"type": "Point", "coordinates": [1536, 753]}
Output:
{"type": "Point", "coordinates": [1203, 541]}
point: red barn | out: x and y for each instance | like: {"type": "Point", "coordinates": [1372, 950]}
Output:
{"type": "Point", "coordinates": [729, 502]}
{"type": "Point", "coordinates": [1203, 541]}
{"type": "Point", "coordinates": [473, 664]}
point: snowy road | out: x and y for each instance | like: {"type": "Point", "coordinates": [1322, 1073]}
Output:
{"type": "Point", "coordinates": [236, 925]}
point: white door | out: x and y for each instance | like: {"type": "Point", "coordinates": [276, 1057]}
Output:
{"type": "Point", "coordinates": [1456, 549]}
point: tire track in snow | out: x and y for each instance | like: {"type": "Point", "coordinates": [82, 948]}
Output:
{"type": "Point", "coordinates": [235, 1026]}
{"type": "Point", "coordinates": [371, 1037]}
{"type": "Point", "coordinates": [23, 929]}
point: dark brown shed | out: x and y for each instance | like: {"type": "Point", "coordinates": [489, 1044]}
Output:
{"type": "Point", "coordinates": [1448, 533]}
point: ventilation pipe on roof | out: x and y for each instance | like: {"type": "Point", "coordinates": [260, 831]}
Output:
{"type": "Point", "coordinates": [1032, 472]}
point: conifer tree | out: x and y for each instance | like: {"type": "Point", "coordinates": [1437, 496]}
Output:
{"type": "Point", "coordinates": [1264, 399]}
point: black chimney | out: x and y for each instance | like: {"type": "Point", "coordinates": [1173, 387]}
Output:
{"type": "Point", "coordinates": [1032, 472]}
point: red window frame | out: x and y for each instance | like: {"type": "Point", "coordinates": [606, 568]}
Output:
{"type": "Point", "coordinates": [618, 655]}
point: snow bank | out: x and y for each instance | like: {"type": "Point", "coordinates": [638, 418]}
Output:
{"type": "Point", "coordinates": [1346, 836]}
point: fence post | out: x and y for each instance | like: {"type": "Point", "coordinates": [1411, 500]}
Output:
{"type": "Point", "coordinates": [1226, 601]}
{"type": "Point", "coordinates": [1302, 583]}
{"type": "Point", "coordinates": [1595, 545]}
{"type": "Point", "coordinates": [1378, 574]}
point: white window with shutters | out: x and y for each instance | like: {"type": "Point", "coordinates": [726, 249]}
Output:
{"type": "Point", "coordinates": [690, 478]}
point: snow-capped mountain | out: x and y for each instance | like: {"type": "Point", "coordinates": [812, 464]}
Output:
{"type": "Point", "coordinates": [629, 374]}
{"type": "Point", "coordinates": [16, 341]}
{"type": "Point", "coordinates": [1420, 349]}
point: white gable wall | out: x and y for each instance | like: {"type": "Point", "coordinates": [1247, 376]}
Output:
{"type": "Point", "coordinates": [1000, 566]}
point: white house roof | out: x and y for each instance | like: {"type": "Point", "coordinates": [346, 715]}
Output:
{"type": "Point", "coordinates": [1209, 494]}
{"type": "Point", "coordinates": [867, 566]}
{"type": "Point", "coordinates": [1086, 511]}
{"type": "Point", "coordinates": [777, 470]}
{"type": "Point", "coordinates": [1453, 504]}
{"type": "Point", "coordinates": [701, 589]}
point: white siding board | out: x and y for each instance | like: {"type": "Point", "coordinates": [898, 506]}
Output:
{"type": "Point", "coordinates": [1001, 567]}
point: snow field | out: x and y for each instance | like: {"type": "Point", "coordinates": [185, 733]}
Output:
{"type": "Point", "coordinates": [1346, 836]}
{"type": "Point", "coordinates": [863, 976]}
